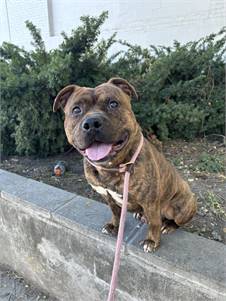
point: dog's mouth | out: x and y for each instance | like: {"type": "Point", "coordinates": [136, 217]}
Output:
{"type": "Point", "coordinates": [100, 151]}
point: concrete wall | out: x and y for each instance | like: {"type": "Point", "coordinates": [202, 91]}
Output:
{"type": "Point", "coordinates": [53, 238]}
{"type": "Point", "coordinates": [138, 21]}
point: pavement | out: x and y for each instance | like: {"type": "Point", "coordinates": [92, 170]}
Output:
{"type": "Point", "coordinates": [53, 238]}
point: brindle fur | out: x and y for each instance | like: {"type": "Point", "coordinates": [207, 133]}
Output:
{"type": "Point", "coordinates": [156, 190]}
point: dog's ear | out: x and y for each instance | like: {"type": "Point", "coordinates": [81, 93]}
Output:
{"type": "Point", "coordinates": [124, 85]}
{"type": "Point", "coordinates": [62, 97]}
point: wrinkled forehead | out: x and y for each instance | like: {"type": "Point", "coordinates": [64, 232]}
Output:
{"type": "Point", "coordinates": [92, 96]}
{"type": "Point", "coordinates": [99, 93]}
{"type": "Point", "coordinates": [107, 90]}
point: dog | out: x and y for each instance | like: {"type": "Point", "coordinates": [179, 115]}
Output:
{"type": "Point", "coordinates": [100, 124]}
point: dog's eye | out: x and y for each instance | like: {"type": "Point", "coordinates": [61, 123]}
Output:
{"type": "Point", "coordinates": [113, 104]}
{"type": "Point", "coordinates": [76, 110]}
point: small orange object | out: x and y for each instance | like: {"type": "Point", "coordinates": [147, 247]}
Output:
{"type": "Point", "coordinates": [59, 169]}
{"type": "Point", "coordinates": [57, 172]}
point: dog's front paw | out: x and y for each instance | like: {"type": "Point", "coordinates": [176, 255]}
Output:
{"type": "Point", "coordinates": [137, 215]}
{"type": "Point", "coordinates": [149, 245]}
{"type": "Point", "coordinates": [168, 226]}
{"type": "Point", "coordinates": [140, 217]}
{"type": "Point", "coordinates": [109, 228]}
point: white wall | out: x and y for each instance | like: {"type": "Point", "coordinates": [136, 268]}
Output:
{"type": "Point", "coordinates": [12, 27]}
{"type": "Point", "coordinates": [142, 22]}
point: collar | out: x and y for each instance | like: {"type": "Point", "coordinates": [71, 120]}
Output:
{"type": "Point", "coordinates": [125, 166]}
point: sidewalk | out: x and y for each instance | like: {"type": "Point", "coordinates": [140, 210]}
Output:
{"type": "Point", "coordinates": [53, 238]}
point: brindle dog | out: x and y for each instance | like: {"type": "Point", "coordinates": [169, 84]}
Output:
{"type": "Point", "coordinates": [100, 123]}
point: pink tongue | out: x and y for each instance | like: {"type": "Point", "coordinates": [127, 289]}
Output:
{"type": "Point", "coordinates": [98, 151]}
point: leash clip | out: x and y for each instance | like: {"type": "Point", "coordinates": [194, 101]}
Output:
{"type": "Point", "coordinates": [127, 167]}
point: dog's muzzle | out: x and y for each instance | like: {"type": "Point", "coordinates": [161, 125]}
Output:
{"type": "Point", "coordinates": [92, 124]}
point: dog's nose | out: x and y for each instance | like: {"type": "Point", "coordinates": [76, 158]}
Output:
{"type": "Point", "coordinates": [91, 123]}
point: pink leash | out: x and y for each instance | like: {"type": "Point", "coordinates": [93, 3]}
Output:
{"type": "Point", "coordinates": [116, 265]}
{"type": "Point", "coordinates": [114, 276]}
{"type": "Point", "coordinates": [126, 167]}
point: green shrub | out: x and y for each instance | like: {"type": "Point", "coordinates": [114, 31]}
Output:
{"type": "Point", "coordinates": [31, 80]}
{"type": "Point", "coordinates": [181, 87]}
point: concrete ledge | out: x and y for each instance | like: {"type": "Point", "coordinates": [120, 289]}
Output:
{"type": "Point", "coordinates": [52, 237]}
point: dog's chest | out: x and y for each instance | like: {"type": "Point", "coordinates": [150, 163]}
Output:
{"type": "Point", "coordinates": [105, 191]}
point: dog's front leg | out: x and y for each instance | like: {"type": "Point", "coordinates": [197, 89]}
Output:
{"type": "Point", "coordinates": [153, 217]}
{"type": "Point", "coordinates": [112, 226]}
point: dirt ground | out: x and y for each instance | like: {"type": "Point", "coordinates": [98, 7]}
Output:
{"type": "Point", "coordinates": [197, 161]}
{"type": "Point", "coordinates": [14, 288]}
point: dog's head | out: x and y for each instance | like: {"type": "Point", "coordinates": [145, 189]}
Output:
{"type": "Point", "coordinates": [99, 121]}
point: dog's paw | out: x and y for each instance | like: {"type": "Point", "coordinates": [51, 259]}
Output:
{"type": "Point", "coordinates": [167, 230]}
{"type": "Point", "coordinates": [168, 227]}
{"type": "Point", "coordinates": [137, 215]}
{"type": "Point", "coordinates": [109, 228]}
{"type": "Point", "coordinates": [149, 245]}
{"type": "Point", "coordinates": [140, 217]}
